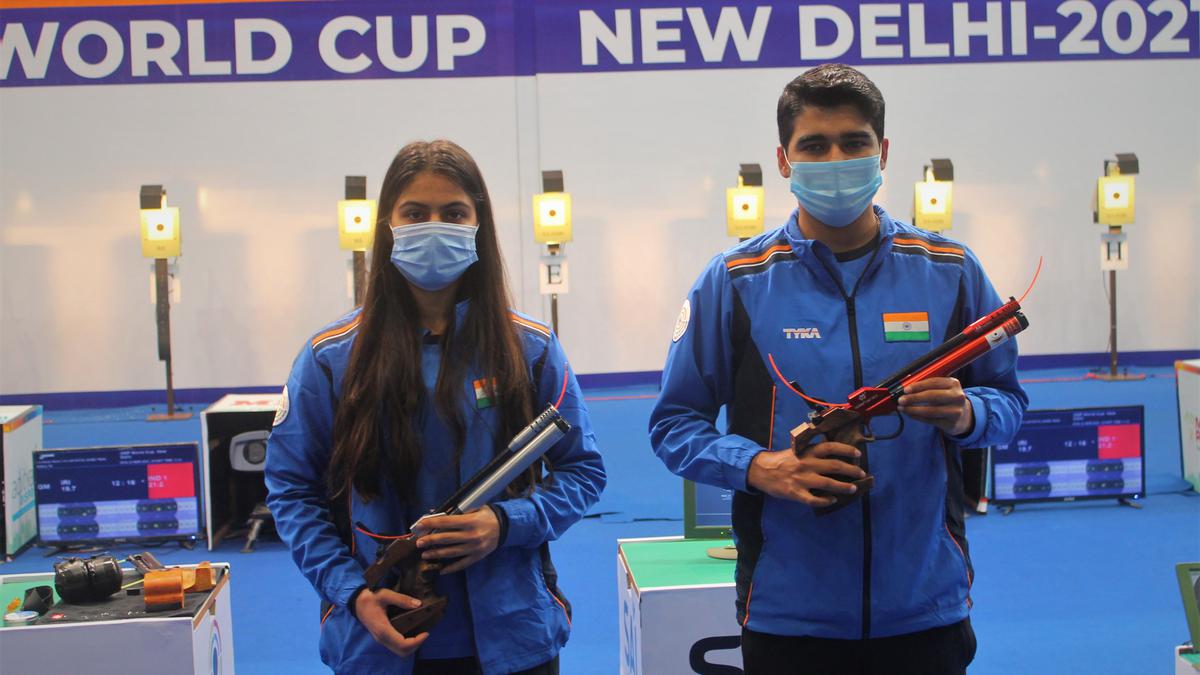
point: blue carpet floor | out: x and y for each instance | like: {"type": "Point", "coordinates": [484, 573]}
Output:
{"type": "Point", "coordinates": [1063, 588]}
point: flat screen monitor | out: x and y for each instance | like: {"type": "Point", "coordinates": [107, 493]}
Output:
{"type": "Point", "coordinates": [707, 511]}
{"type": "Point", "coordinates": [1074, 453]}
{"type": "Point", "coordinates": [116, 494]}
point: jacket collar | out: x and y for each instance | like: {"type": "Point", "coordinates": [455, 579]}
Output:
{"type": "Point", "coordinates": [887, 229]}
{"type": "Point", "coordinates": [816, 254]}
{"type": "Point", "coordinates": [460, 313]}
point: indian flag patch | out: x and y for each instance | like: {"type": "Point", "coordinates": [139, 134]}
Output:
{"type": "Point", "coordinates": [484, 393]}
{"type": "Point", "coordinates": [906, 327]}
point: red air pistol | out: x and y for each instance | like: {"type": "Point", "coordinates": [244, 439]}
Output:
{"type": "Point", "coordinates": [850, 423]}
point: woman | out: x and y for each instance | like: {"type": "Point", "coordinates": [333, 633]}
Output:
{"type": "Point", "coordinates": [389, 409]}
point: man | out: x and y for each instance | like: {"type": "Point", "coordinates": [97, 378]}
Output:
{"type": "Point", "coordinates": [881, 585]}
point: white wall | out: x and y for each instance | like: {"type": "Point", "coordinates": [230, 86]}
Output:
{"type": "Point", "coordinates": [649, 155]}
{"type": "Point", "coordinates": [256, 170]}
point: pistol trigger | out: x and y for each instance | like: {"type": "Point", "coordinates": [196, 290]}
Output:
{"type": "Point", "coordinates": [866, 432]}
{"type": "Point", "coordinates": [900, 428]}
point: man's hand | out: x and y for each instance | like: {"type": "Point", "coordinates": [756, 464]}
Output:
{"type": "Point", "coordinates": [939, 401]}
{"type": "Point", "coordinates": [784, 475]}
{"type": "Point", "coordinates": [371, 609]}
{"type": "Point", "coordinates": [468, 537]}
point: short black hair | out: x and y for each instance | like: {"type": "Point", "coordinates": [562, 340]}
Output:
{"type": "Point", "coordinates": [830, 85]}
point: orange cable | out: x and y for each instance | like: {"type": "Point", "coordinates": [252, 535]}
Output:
{"type": "Point", "coordinates": [771, 430]}
{"type": "Point", "coordinates": [563, 393]}
{"type": "Point", "coordinates": [1035, 278]}
{"type": "Point", "coordinates": [797, 392]}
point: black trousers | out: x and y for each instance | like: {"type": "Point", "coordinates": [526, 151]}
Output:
{"type": "Point", "coordinates": [938, 651]}
{"type": "Point", "coordinates": [470, 666]}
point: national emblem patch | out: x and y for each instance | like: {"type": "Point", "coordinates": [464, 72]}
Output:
{"type": "Point", "coordinates": [281, 412]}
{"type": "Point", "coordinates": [681, 323]}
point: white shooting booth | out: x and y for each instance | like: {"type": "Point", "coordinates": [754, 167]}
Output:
{"type": "Point", "coordinates": [676, 606]}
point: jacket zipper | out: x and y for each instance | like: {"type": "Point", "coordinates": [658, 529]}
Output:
{"type": "Point", "coordinates": [852, 320]}
{"type": "Point", "coordinates": [851, 315]}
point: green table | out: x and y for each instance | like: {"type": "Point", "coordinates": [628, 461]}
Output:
{"type": "Point", "coordinates": [676, 562]}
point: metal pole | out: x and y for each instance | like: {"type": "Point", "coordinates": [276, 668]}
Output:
{"type": "Point", "coordinates": [360, 276]}
{"type": "Point", "coordinates": [356, 188]}
{"type": "Point", "coordinates": [163, 313]}
{"type": "Point", "coordinates": [170, 391]}
{"type": "Point", "coordinates": [1112, 322]}
{"type": "Point", "coordinates": [554, 312]}
{"type": "Point", "coordinates": [1113, 354]}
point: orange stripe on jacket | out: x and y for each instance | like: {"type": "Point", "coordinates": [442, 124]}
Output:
{"type": "Point", "coordinates": [564, 609]}
{"type": "Point", "coordinates": [960, 552]}
{"type": "Point", "coordinates": [335, 332]}
{"type": "Point", "coordinates": [749, 594]}
{"type": "Point", "coordinates": [530, 324]}
{"type": "Point", "coordinates": [927, 246]}
{"type": "Point", "coordinates": [970, 581]}
{"type": "Point", "coordinates": [759, 258]}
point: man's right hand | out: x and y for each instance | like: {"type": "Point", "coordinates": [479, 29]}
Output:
{"type": "Point", "coordinates": [785, 475]}
{"type": "Point", "coordinates": [371, 609]}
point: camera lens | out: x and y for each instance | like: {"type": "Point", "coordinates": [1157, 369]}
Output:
{"type": "Point", "coordinates": [256, 452]}
{"type": "Point", "coordinates": [88, 580]}
{"type": "Point", "coordinates": [71, 579]}
{"type": "Point", "coordinates": [106, 576]}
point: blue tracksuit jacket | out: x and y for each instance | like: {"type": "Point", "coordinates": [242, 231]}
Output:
{"type": "Point", "coordinates": [895, 561]}
{"type": "Point", "coordinates": [518, 616]}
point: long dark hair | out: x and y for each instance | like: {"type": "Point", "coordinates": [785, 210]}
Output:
{"type": "Point", "coordinates": [374, 429]}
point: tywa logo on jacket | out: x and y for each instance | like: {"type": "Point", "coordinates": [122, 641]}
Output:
{"type": "Point", "coordinates": [801, 334]}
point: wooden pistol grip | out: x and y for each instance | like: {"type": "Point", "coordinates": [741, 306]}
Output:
{"type": "Point", "coordinates": [395, 553]}
{"type": "Point", "coordinates": [413, 622]}
{"type": "Point", "coordinates": [416, 581]}
{"type": "Point", "coordinates": [850, 434]}
{"type": "Point", "coordinates": [839, 426]}
{"type": "Point", "coordinates": [802, 437]}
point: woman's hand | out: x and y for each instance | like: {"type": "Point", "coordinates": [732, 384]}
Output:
{"type": "Point", "coordinates": [468, 537]}
{"type": "Point", "coordinates": [371, 609]}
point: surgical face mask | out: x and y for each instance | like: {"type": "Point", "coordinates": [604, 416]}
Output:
{"type": "Point", "coordinates": [836, 193]}
{"type": "Point", "coordinates": [433, 255]}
